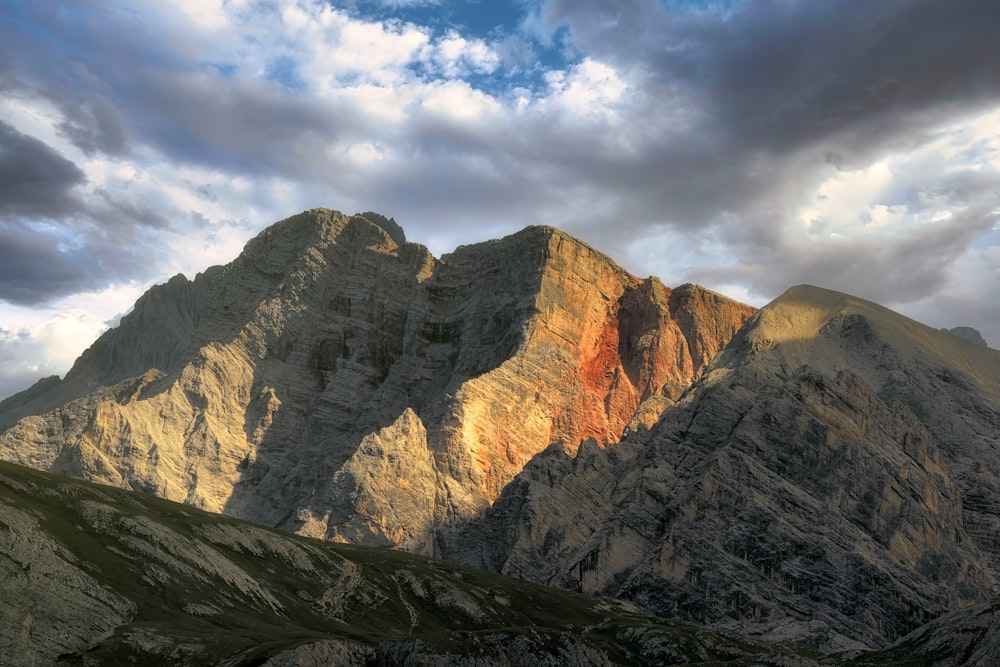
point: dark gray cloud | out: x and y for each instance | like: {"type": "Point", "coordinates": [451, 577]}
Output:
{"type": "Point", "coordinates": [35, 180]}
{"type": "Point", "coordinates": [41, 262]}
{"type": "Point", "coordinates": [777, 74]}
{"type": "Point", "coordinates": [841, 80]}
{"type": "Point", "coordinates": [33, 268]}
{"type": "Point", "coordinates": [54, 240]}
{"type": "Point", "coordinates": [246, 127]}
{"type": "Point", "coordinates": [95, 127]}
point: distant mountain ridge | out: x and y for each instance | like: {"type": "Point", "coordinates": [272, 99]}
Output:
{"type": "Point", "coordinates": [969, 334]}
{"type": "Point", "coordinates": [821, 470]}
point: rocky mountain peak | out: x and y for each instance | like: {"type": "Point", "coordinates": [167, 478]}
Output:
{"type": "Point", "coordinates": [389, 225]}
{"type": "Point", "coordinates": [334, 382]}
{"type": "Point", "coordinates": [287, 242]}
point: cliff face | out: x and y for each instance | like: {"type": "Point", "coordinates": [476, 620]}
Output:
{"type": "Point", "coordinates": [156, 334]}
{"type": "Point", "coordinates": [335, 383]}
{"type": "Point", "coordinates": [833, 477]}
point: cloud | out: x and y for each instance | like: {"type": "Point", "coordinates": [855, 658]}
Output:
{"type": "Point", "coordinates": [747, 145]}
{"type": "Point", "coordinates": [49, 339]}
{"type": "Point", "coordinates": [32, 267]}
{"type": "Point", "coordinates": [746, 106]}
{"type": "Point", "coordinates": [457, 56]}
{"type": "Point", "coordinates": [58, 234]}
{"type": "Point", "coordinates": [95, 127]}
{"type": "Point", "coordinates": [35, 180]}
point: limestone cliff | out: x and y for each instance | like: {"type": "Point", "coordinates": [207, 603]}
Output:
{"type": "Point", "coordinates": [834, 477]}
{"type": "Point", "coordinates": [339, 382]}
{"type": "Point", "coordinates": [969, 636]}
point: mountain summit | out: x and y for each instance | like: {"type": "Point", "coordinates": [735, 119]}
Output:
{"type": "Point", "coordinates": [339, 382]}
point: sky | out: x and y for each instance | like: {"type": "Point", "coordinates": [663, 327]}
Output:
{"type": "Point", "coordinates": [745, 145]}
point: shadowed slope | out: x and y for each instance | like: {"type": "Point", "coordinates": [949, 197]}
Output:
{"type": "Point", "coordinates": [833, 477]}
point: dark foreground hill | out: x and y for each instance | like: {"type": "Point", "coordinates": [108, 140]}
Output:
{"type": "Point", "coordinates": [93, 575]}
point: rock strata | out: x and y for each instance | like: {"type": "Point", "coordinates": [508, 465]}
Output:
{"type": "Point", "coordinates": [968, 636]}
{"type": "Point", "coordinates": [93, 575]}
{"type": "Point", "coordinates": [337, 381]}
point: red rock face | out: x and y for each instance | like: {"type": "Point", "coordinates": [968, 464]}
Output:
{"type": "Point", "coordinates": [834, 477]}
{"type": "Point", "coordinates": [631, 339]}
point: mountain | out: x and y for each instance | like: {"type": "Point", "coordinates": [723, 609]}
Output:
{"type": "Point", "coordinates": [339, 382]}
{"type": "Point", "coordinates": [833, 477]}
{"type": "Point", "coordinates": [93, 575]}
{"type": "Point", "coordinates": [968, 636]}
{"type": "Point", "coordinates": [822, 470]}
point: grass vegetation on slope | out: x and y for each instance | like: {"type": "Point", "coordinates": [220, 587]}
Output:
{"type": "Point", "coordinates": [98, 575]}
{"type": "Point", "coordinates": [94, 575]}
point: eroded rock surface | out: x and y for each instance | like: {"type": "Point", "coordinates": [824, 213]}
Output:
{"type": "Point", "coordinates": [965, 637]}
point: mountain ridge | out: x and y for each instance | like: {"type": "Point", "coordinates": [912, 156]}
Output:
{"type": "Point", "coordinates": [95, 575]}
{"type": "Point", "coordinates": [326, 349]}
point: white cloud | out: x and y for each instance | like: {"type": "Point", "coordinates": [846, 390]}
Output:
{"type": "Point", "coordinates": [334, 50]}
{"type": "Point", "coordinates": [588, 91]}
{"type": "Point", "coordinates": [46, 341]}
{"type": "Point", "coordinates": [204, 14]}
{"type": "Point", "coordinates": [906, 189]}
{"type": "Point", "coordinates": [457, 56]}
{"type": "Point", "coordinates": [458, 100]}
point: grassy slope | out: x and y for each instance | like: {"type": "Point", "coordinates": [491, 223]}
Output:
{"type": "Point", "coordinates": [178, 586]}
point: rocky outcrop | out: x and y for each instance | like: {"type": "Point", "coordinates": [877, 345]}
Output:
{"type": "Point", "coordinates": [337, 381]}
{"type": "Point", "coordinates": [834, 477]}
{"type": "Point", "coordinates": [967, 333]}
{"type": "Point", "coordinates": [93, 575]}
